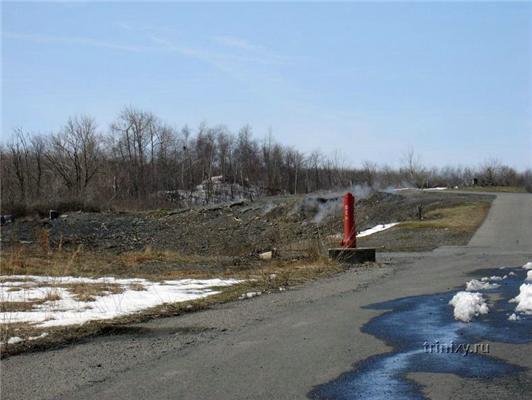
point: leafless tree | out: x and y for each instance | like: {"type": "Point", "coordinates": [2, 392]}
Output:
{"type": "Point", "coordinates": [141, 157]}
{"type": "Point", "coordinates": [74, 154]}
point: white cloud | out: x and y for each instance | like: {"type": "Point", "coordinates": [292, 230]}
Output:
{"type": "Point", "coordinates": [235, 42]}
{"type": "Point", "coordinates": [82, 41]}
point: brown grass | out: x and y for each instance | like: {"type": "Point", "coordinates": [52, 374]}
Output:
{"type": "Point", "coordinates": [88, 291]}
{"type": "Point", "coordinates": [23, 259]}
{"type": "Point", "coordinates": [43, 239]}
{"type": "Point", "coordinates": [136, 258]}
{"type": "Point", "coordinates": [137, 287]}
{"type": "Point", "coordinates": [51, 295]}
{"type": "Point", "coordinates": [464, 218]}
{"type": "Point", "coordinates": [498, 189]}
{"type": "Point", "coordinates": [14, 306]}
{"type": "Point", "coordinates": [24, 306]}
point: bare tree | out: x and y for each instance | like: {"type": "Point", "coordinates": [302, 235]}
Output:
{"type": "Point", "coordinates": [74, 154]}
{"type": "Point", "coordinates": [413, 168]}
{"type": "Point", "coordinates": [135, 132]}
{"type": "Point", "coordinates": [141, 158]}
{"type": "Point", "coordinates": [20, 159]}
{"type": "Point", "coordinates": [370, 172]}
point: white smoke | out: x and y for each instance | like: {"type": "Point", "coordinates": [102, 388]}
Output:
{"type": "Point", "coordinates": [330, 203]}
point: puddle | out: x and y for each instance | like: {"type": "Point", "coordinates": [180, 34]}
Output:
{"type": "Point", "coordinates": [415, 323]}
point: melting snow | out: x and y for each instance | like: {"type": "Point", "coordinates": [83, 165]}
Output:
{"type": "Point", "coordinates": [375, 229]}
{"type": "Point", "coordinates": [249, 295]}
{"type": "Point", "coordinates": [493, 278]}
{"type": "Point", "coordinates": [524, 299]}
{"type": "Point", "coordinates": [468, 305]}
{"type": "Point", "coordinates": [14, 339]}
{"type": "Point", "coordinates": [70, 311]}
{"type": "Point", "coordinates": [528, 265]}
{"type": "Point", "coordinates": [475, 284]}
{"type": "Point", "coordinates": [514, 317]}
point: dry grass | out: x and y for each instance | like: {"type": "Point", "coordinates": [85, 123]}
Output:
{"type": "Point", "coordinates": [136, 258]}
{"type": "Point", "coordinates": [22, 260]}
{"type": "Point", "coordinates": [17, 306]}
{"type": "Point", "coordinates": [27, 305]}
{"type": "Point", "coordinates": [51, 295]}
{"type": "Point", "coordinates": [464, 218]}
{"type": "Point", "coordinates": [34, 260]}
{"type": "Point", "coordinates": [498, 189]}
{"type": "Point", "coordinates": [88, 291]}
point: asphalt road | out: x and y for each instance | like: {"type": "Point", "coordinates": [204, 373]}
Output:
{"type": "Point", "coordinates": [284, 345]}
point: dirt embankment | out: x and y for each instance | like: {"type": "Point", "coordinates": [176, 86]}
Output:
{"type": "Point", "coordinates": [241, 229]}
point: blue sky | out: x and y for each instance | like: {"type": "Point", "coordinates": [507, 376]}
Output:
{"type": "Point", "coordinates": [452, 80]}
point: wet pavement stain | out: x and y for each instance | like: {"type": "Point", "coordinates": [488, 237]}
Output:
{"type": "Point", "coordinates": [413, 324]}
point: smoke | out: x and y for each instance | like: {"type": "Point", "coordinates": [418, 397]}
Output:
{"type": "Point", "coordinates": [378, 187]}
{"type": "Point", "coordinates": [324, 204]}
{"type": "Point", "coordinates": [326, 209]}
{"type": "Point", "coordinates": [361, 191]}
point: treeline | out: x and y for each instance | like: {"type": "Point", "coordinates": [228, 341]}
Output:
{"type": "Point", "coordinates": [139, 156]}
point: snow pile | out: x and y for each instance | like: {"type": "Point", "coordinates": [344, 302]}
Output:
{"type": "Point", "coordinates": [475, 284]}
{"type": "Point", "coordinates": [14, 340]}
{"type": "Point", "coordinates": [493, 278]}
{"type": "Point", "coordinates": [375, 229]}
{"type": "Point", "coordinates": [524, 299]}
{"type": "Point", "coordinates": [249, 295]}
{"type": "Point", "coordinates": [65, 309]}
{"type": "Point", "coordinates": [367, 232]}
{"type": "Point", "coordinates": [468, 305]}
{"type": "Point", "coordinates": [514, 317]}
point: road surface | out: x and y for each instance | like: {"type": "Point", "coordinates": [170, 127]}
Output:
{"type": "Point", "coordinates": [287, 345]}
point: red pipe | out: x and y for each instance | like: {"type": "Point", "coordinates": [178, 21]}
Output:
{"type": "Point", "coordinates": [350, 231]}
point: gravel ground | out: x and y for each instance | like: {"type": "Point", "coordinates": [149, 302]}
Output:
{"type": "Point", "coordinates": [241, 229]}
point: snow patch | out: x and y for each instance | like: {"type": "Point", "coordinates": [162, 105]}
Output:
{"type": "Point", "coordinates": [528, 265]}
{"type": "Point", "coordinates": [524, 299]}
{"type": "Point", "coordinates": [375, 229]}
{"type": "Point", "coordinates": [493, 278]}
{"type": "Point", "coordinates": [468, 305]}
{"type": "Point", "coordinates": [14, 340]}
{"type": "Point", "coordinates": [475, 284]}
{"type": "Point", "coordinates": [514, 317]}
{"type": "Point", "coordinates": [249, 295]}
{"type": "Point", "coordinates": [137, 295]}
{"type": "Point", "coordinates": [42, 335]}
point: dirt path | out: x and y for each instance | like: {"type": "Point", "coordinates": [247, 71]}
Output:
{"type": "Point", "coordinates": [283, 345]}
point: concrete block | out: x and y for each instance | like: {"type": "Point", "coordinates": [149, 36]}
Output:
{"type": "Point", "coordinates": [352, 256]}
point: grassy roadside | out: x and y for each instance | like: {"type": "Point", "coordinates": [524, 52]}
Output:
{"type": "Point", "coordinates": [465, 218]}
{"type": "Point", "coordinates": [445, 226]}
{"type": "Point", "coordinates": [266, 277]}
{"type": "Point", "coordinates": [497, 189]}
